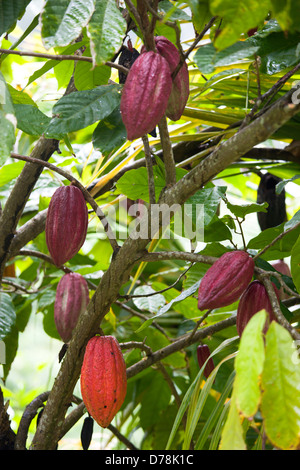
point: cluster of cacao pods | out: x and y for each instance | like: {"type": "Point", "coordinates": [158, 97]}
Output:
{"type": "Point", "coordinates": [103, 379]}
{"type": "Point", "coordinates": [66, 224]}
{"type": "Point", "coordinates": [150, 92]}
{"type": "Point", "coordinates": [229, 280]}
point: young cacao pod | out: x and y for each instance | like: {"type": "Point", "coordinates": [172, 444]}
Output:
{"type": "Point", "coordinates": [145, 94]}
{"type": "Point", "coordinates": [72, 298]}
{"type": "Point", "coordinates": [225, 281]}
{"type": "Point", "coordinates": [103, 379]}
{"type": "Point", "coordinates": [180, 87]}
{"type": "Point", "coordinates": [276, 210]}
{"type": "Point", "coordinates": [203, 354]}
{"type": "Point", "coordinates": [87, 432]}
{"type": "Point", "coordinates": [282, 268]}
{"type": "Point", "coordinates": [254, 299]}
{"type": "Point", "coordinates": [66, 224]}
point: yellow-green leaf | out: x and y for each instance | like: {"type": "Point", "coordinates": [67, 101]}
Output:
{"type": "Point", "coordinates": [249, 365]}
{"type": "Point", "coordinates": [232, 434]}
{"type": "Point", "coordinates": [280, 406]}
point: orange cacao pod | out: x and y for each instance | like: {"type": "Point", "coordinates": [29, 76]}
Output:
{"type": "Point", "coordinates": [66, 224]}
{"type": "Point", "coordinates": [103, 379]}
{"type": "Point", "coordinates": [203, 354]}
{"type": "Point", "coordinates": [180, 87]}
{"type": "Point", "coordinates": [282, 268]}
{"type": "Point", "coordinates": [254, 299]}
{"type": "Point", "coordinates": [72, 298]}
{"type": "Point", "coordinates": [225, 281]}
{"type": "Point", "coordinates": [145, 94]}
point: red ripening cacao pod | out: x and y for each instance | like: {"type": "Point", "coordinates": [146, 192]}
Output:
{"type": "Point", "coordinates": [203, 354]}
{"type": "Point", "coordinates": [180, 88]}
{"type": "Point", "coordinates": [254, 299]}
{"type": "Point", "coordinates": [145, 94]}
{"type": "Point", "coordinates": [103, 379]}
{"type": "Point", "coordinates": [225, 281]}
{"type": "Point", "coordinates": [66, 224]}
{"type": "Point", "coordinates": [72, 298]}
{"type": "Point", "coordinates": [282, 268]}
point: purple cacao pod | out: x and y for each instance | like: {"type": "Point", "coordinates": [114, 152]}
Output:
{"type": "Point", "coordinates": [203, 354]}
{"type": "Point", "coordinates": [282, 268]}
{"type": "Point", "coordinates": [145, 94]}
{"type": "Point", "coordinates": [72, 298]}
{"type": "Point", "coordinates": [180, 88]}
{"type": "Point", "coordinates": [66, 224]}
{"type": "Point", "coordinates": [254, 299]}
{"type": "Point", "coordinates": [225, 281]}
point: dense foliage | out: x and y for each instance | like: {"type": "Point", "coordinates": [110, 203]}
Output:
{"type": "Point", "coordinates": [231, 162]}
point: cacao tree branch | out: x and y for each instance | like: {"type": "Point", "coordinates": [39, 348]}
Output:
{"type": "Point", "coordinates": [149, 166]}
{"type": "Point", "coordinates": [133, 248]}
{"type": "Point", "coordinates": [61, 57]}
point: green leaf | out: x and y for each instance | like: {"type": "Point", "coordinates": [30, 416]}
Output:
{"type": "Point", "coordinates": [81, 109]}
{"type": "Point", "coordinates": [7, 315]}
{"type": "Point", "coordinates": [295, 264]}
{"type": "Point", "coordinates": [110, 133]}
{"type": "Point", "coordinates": [151, 303]}
{"type": "Point", "coordinates": [200, 13]}
{"type": "Point", "coordinates": [238, 18]}
{"type": "Point", "coordinates": [249, 365]}
{"type": "Point", "coordinates": [280, 406]}
{"type": "Point", "coordinates": [232, 434]}
{"type": "Point", "coordinates": [7, 122]}
{"type": "Point", "coordinates": [210, 198]}
{"type": "Point", "coordinates": [10, 12]}
{"type": "Point", "coordinates": [87, 77]}
{"type": "Point", "coordinates": [63, 20]}
{"type": "Point", "coordinates": [243, 210]}
{"type": "Point", "coordinates": [284, 11]}
{"type": "Point", "coordinates": [106, 31]}
{"type": "Point", "coordinates": [10, 172]}
{"type": "Point", "coordinates": [30, 119]}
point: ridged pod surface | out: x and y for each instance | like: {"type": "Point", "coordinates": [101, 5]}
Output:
{"type": "Point", "coordinates": [225, 281]}
{"type": "Point", "coordinates": [203, 353]}
{"type": "Point", "coordinates": [254, 299]}
{"type": "Point", "coordinates": [66, 224]}
{"type": "Point", "coordinates": [103, 379]}
{"type": "Point", "coordinates": [72, 298]}
{"type": "Point", "coordinates": [145, 94]}
{"type": "Point", "coordinates": [282, 268]}
{"type": "Point", "coordinates": [180, 87]}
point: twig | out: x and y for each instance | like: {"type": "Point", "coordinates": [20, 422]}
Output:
{"type": "Point", "coordinates": [268, 94]}
{"type": "Point", "coordinates": [276, 307]}
{"type": "Point", "coordinates": [60, 57]}
{"type": "Point", "coordinates": [170, 169]}
{"type": "Point", "coordinates": [88, 197]}
{"type": "Point", "coordinates": [275, 240]}
{"type": "Point", "coordinates": [149, 166]}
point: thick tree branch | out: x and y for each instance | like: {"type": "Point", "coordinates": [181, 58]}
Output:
{"type": "Point", "coordinates": [119, 271]}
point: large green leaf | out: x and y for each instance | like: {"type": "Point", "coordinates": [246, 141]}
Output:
{"type": "Point", "coordinates": [7, 122]}
{"type": "Point", "coordinates": [232, 434]}
{"type": "Point", "coordinates": [81, 109]}
{"type": "Point", "coordinates": [106, 31]}
{"type": "Point", "coordinates": [238, 18]}
{"type": "Point", "coordinates": [10, 12]}
{"type": "Point", "coordinates": [110, 133]}
{"type": "Point", "coordinates": [249, 365]}
{"type": "Point", "coordinates": [30, 119]}
{"type": "Point", "coordinates": [63, 20]}
{"type": "Point", "coordinates": [280, 406]}
{"type": "Point", "coordinates": [8, 332]}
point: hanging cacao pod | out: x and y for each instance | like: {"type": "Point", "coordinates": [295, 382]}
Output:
{"type": "Point", "coordinates": [127, 57]}
{"type": "Point", "coordinates": [282, 268]}
{"type": "Point", "coordinates": [103, 379]}
{"type": "Point", "coordinates": [276, 210]}
{"type": "Point", "coordinates": [180, 87]}
{"type": "Point", "coordinates": [145, 94]}
{"type": "Point", "coordinates": [87, 432]}
{"type": "Point", "coordinates": [254, 299]}
{"type": "Point", "coordinates": [72, 298]}
{"type": "Point", "coordinates": [225, 281]}
{"type": "Point", "coordinates": [203, 354]}
{"type": "Point", "coordinates": [66, 224]}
